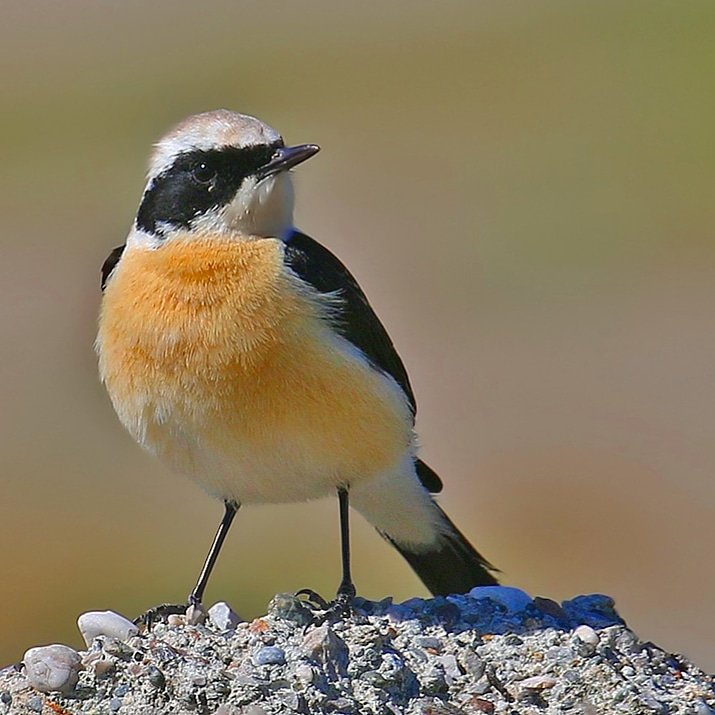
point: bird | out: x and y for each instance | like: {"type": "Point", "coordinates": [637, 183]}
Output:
{"type": "Point", "coordinates": [244, 354]}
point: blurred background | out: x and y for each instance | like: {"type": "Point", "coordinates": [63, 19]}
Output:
{"type": "Point", "coordinates": [524, 190]}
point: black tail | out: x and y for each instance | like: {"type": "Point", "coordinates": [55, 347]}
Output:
{"type": "Point", "coordinates": [453, 565]}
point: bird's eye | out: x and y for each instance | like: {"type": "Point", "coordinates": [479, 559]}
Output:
{"type": "Point", "coordinates": [203, 173]}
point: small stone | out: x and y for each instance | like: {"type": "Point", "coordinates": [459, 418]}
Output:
{"type": "Point", "coordinates": [342, 705]}
{"type": "Point", "coordinates": [223, 617]}
{"type": "Point", "coordinates": [99, 661]}
{"type": "Point", "coordinates": [481, 705]}
{"type": "Point", "coordinates": [538, 682]}
{"type": "Point", "coordinates": [195, 614]}
{"type": "Point", "coordinates": [290, 608]}
{"type": "Point", "coordinates": [571, 676]}
{"type": "Point", "coordinates": [653, 704]}
{"type": "Point", "coordinates": [433, 680]}
{"type": "Point", "coordinates": [52, 668]}
{"type": "Point", "coordinates": [324, 646]}
{"type": "Point", "coordinates": [473, 664]}
{"type": "Point", "coordinates": [269, 655]}
{"type": "Point", "coordinates": [305, 674]}
{"type": "Point", "coordinates": [156, 677]}
{"type": "Point", "coordinates": [115, 704]}
{"type": "Point", "coordinates": [451, 668]}
{"type": "Point", "coordinates": [114, 646]}
{"type": "Point", "coordinates": [105, 623]}
{"type": "Point", "coordinates": [513, 599]}
{"type": "Point", "coordinates": [289, 699]}
{"type": "Point", "coordinates": [35, 703]}
{"type": "Point", "coordinates": [5, 698]}
{"type": "Point", "coordinates": [391, 666]}
{"type": "Point", "coordinates": [559, 653]}
{"type": "Point", "coordinates": [429, 642]}
{"type": "Point", "coordinates": [482, 686]}
{"type": "Point", "coordinates": [231, 710]}
{"type": "Point", "coordinates": [586, 634]}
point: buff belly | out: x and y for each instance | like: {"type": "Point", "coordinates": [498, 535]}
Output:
{"type": "Point", "coordinates": [221, 362]}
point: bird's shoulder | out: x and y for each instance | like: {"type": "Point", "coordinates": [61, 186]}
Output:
{"type": "Point", "coordinates": [356, 320]}
{"type": "Point", "coordinates": [110, 263]}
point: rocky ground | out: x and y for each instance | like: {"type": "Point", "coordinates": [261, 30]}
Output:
{"type": "Point", "coordinates": [494, 651]}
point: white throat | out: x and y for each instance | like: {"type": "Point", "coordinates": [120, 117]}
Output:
{"type": "Point", "coordinates": [263, 208]}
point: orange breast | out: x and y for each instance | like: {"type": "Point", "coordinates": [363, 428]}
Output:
{"type": "Point", "coordinates": [223, 363]}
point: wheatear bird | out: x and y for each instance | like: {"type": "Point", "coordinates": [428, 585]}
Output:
{"type": "Point", "coordinates": [244, 354]}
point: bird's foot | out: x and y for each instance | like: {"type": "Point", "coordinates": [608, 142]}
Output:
{"type": "Point", "coordinates": [338, 609]}
{"type": "Point", "coordinates": [343, 606]}
{"type": "Point", "coordinates": [312, 599]}
{"type": "Point", "coordinates": [174, 614]}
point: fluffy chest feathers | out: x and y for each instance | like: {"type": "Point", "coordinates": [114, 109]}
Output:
{"type": "Point", "coordinates": [222, 362]}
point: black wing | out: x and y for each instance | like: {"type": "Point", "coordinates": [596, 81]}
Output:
{"type": "Point", "coordinates": [357, 322]}
{"type": "Point", "coordinates": [110, 263]}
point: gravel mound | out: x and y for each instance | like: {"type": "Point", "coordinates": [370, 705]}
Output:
{"type": "Point", "coordinates": [493, 651]}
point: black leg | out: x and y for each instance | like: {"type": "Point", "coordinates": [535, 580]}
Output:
{"type": "Point", "coordinates": [198, 593]}
{"type": "Point", "coordinates": [346, 591]}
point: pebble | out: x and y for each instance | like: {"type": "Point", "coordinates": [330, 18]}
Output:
{"type": "Point", "coordinates": [481, 705]}
{"type": "Point", "coordinates": [586, 634]}
{"type": "Point", "coordinates": [513, 599]}
{"type": "Point", "coordinates": [35, 703]}
{"type": "Point", "coordinates": [121, 690]}
{"type": "Point", "coordinates": [429, 642]}
{"type": "Point", "coordinates": [269, 655]}
{"type": "Point", "coordinates": [105, 623]}
{"type": "Point", "coordinates": [52, 668]}
{"type": "Point", "coordinates": [538, 682]}
{"type": "Point", "coordinates": [231, 710]}
{"type": "Point", "coordinates": [156, 677]}
{"type": "Point", "coordinates": [223, 617]}
{"type": "Point", "coordinates": [473, 664]}
{"type": "Point", "coordinates": [195, 614]}
{"type": "Point", "coordinates": [451, 668]}
{"type": "Point", "coordinates": [115, 704]}
{"type": "Point", "coordinates": [324, 646]}
{"type": "Point", "coordinates": [304, 673]}
{"type": "Point", "coordinates": [290, 608]}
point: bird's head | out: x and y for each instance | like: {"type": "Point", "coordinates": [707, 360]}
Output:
{"type": "Point", "coordinates": [220, 172]}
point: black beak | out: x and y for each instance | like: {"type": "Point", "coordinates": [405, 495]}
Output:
{"type": "Point", "coordinates": [286, 157]}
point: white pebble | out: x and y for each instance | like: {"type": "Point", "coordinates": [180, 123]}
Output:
{"type": "Point", "coordinates": [305, 674]}
{"type": "Point", "coordinates": [513, 599]}
{"type": "Point", "coordinates": [52, 668]}
{"type": "Point", "coordinates": [223, 617]}
{"type": "Point", "coordinates": [538, 682]}
{"type": "Point", "coordinates": [195, 614]}
{"type": "Point", "coordinates": [105, 623]}
{"type": "Point", "coordinates": [586, 634]}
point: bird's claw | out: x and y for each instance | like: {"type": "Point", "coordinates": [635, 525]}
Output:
{"type": "Point", "coordinates": [312, 599]}
{"type": "Point", "coordinates": [191, 614]}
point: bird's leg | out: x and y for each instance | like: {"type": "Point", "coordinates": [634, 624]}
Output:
{"type": "Point", "coordinates": [161, 613]}
{"type": "Point", "coordinates": [346, 590]}
{"type": "Point", "coordinates": [198, 591]}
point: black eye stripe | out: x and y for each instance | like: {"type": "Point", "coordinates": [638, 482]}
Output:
{"type": "Point", "coordinates": [198, 181]}
{"type": "Point", "coordinates": [231, 161]}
